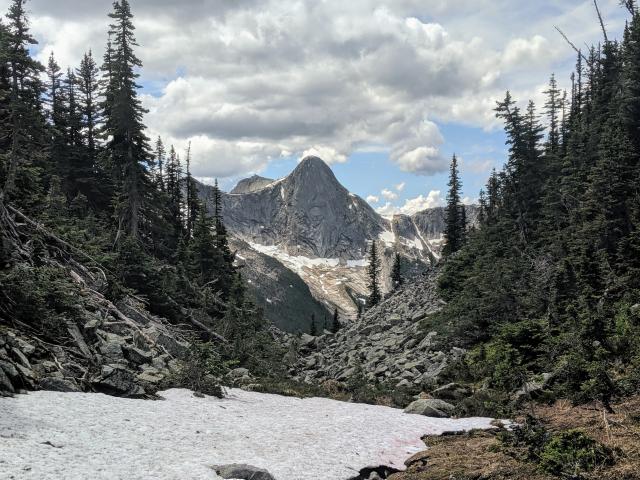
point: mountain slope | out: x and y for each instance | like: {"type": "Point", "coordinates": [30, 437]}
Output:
{"type": "Point", "coordinates": [315, 227]}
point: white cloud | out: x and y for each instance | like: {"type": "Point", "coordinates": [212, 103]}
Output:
{"type": "Point", "coordinates": [389, 195]}
{"type": "Point", "coordinates": [373, 199]}
{"type": "Point", "coordinates": [251, 81]}
{"type": "Point", "coordinates": [328, 154]}
{"type": "Point", "coordinates": [400, 186]}
{"type": "Point", "coordinates": [413, 205]}
{"type": "Point", "coordinates": [469, 201]}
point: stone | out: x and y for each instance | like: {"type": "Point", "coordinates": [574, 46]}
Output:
{"type": "Point", "coordinates": [452, 391]}
{"type": "Point", "coordinates": [20, 357]}
{"type": "Point", "coordinates": [242, 472]}
{"type": "Point", "coordinates": [6, 387]}
{"type": "Point", "coordinates": [136, 355]}
{"type": "Point", "coordinates": [533, 387]}
{"type": "Point", "coordinates": [25, 347]}
{"type": "Point", "coordinates": [635, 309]}
{"type": "Point", "coordinates": [117, 380]}
{"type": "Point", "coordinates": [403, 384]}
{"type": "Point", "coordinates": [112, 351]}
{"type": "Point", "coordinates": [172, 345]}
{"type": "Point", "coordinates": [57, 384]}
{"type": "Point", "coordinates": [430, 407]}
{"type": "Point", "coordinates": [238, 373]}
{"type": "Point", "coordinates": [150, 377]}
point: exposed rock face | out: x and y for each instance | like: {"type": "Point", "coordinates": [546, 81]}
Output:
{"type": "Point", "coordinates": [251, 184]}
{"type": "Point", "coordinates": [385, 345]}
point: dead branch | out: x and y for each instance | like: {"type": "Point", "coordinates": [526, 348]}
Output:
{"type": "Point", "coordinates": [577, 50]}
{"type": "Point", "coordinates": [604, 30]}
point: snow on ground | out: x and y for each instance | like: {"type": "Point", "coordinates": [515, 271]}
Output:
{"type": "Point", "coordinates": [295, 263]}
{"type": "Point", "coordinates": [78, 436]}
{"type": "Point", "coordinates": [387, 237]}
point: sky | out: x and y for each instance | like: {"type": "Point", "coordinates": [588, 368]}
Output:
{"type": "Point", "coordinates": [385, 91]}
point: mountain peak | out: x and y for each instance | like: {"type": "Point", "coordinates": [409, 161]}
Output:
{"type": "Point", "coordinates": [312, 162]}
{"type": "Point", "coordinates": [251, 184]}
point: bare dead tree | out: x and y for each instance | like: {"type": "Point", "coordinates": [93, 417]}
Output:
{"type": "Point", "coordinates": [577, 50]}
{"type": "Point", "coordinates": [604, 30]}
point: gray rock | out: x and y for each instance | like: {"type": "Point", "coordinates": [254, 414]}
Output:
{"type": "Point", "coordinates": [20, 357]}
{"type": "Point", "coordinates": [117, 380]}
{"type": "Point", "coordinates": [452, 391]}
{"type": "Point", "coordinates": [172, 345]}
{"type": "Point", "coordinates": [136, 355]}
{"type": "Point", "coordinates": [56, 384]}
{"type": "Point", "coordinates": [243, 472]}
{"type": "Point", "coordinates": [430, 407]}
{"type": "Point", "coordinates": [6, 387]}
{"type": "Point", "coordinates": [238, 373]}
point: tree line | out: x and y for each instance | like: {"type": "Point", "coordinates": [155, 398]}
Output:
{"type": "Point", "coordinates": [76, 157]}
{"type": "Point", "coordinates": [549, 281]}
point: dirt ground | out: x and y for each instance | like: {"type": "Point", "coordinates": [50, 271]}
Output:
{"type": "Point", "coordinates": [478, 456]}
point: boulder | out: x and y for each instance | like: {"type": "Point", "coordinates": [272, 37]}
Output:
{"type": "Point", "coordinates": [6, 387]}
{"type": "Point", "coordinates": [57, 384]}
{"type": "Point", "coordinates": [172, 345]}
{"type": "Point", "coordinates": [117, 380]}
{"type": "Point", "coordinates": [136, 355]}
{"type": "Point", "coordinates": [430, 407]}
{"type": "Point", "coordinates": [242, 472]}
{"type": "Point", "coordinates": [452, 391]}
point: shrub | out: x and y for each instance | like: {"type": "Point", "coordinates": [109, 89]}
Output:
{"type": "Point", "coordinates": [571, 453]}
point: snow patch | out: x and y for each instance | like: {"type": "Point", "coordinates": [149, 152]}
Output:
{"type": "Point", "coordinates": [357, 263]}
{"type": "Point", "coordinates": [295, 263]}
{"type": "Point", "coordinates": [387, 237]}
{"type": "Point", "coordinates": [101, 437]}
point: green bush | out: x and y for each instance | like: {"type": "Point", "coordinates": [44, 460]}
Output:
{"type": "Point", "coordinates": [570, 454]}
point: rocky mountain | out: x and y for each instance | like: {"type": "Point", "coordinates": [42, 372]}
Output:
{"type": "Point", "coordinates": [312, 225]}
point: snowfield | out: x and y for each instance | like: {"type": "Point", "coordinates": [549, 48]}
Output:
{"type": "Point", "coordinates": [79, 436]}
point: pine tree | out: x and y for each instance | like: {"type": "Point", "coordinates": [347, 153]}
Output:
{"type": "Point", "coordinates": [373, 271]}
{"type": "Point", "coordinates": [89, 87]}
{"type": "Point", "coordinates": [192, 203]}
{"type": "Point", "coordinates": [396, 271]}
{"type": "Point", "coordinates": [455, 225]}
{"type": "Point", "coordinates": [226, 268]}
{"type": "Point", "coordinates": [313, 330]}
{"type": "Point", "coordinates": [128, 147]}
{"type": "Point", "coordinates": [24, 160]}
{"type": "Point", "coordinates": [160, 159]}
{"type": "Point", "coordinates": [173, 186]}
{"type": "Point", "coordinates": [335, 326]}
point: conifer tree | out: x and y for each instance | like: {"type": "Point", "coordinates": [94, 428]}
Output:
{"type": "Point", "coordinates": [313, 330]}
{"type": "Point", "coordinates": [455, 225]}
{"type": "Point", "coordinates": [192, 203]}
{"type": "Point", "coordinates": [128, 147]}
{"type": "Point", "coordinates": [396, 271]}
{"type": "Point", "coordinates": [226, 268]}
{"type": "Point", "coordinates": [335, 326]}
{"type": "Point", "coordinates": [88, 87]}
{"type": "Point", "coordinates": [24, 159]}
{"type": "Point", "coordinates": [160, 159]}
{"type": "Point", "coordinates": [373, 272]}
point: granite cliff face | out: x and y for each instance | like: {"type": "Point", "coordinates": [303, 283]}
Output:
{"type": "Point", "coordinates": [316, 228]}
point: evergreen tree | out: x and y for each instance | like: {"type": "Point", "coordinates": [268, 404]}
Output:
{"type": "Point", "coordinates": [160, 159]}
{"type": "Point", "coordinates": [313, 331]}
{"type": "Point", "coordinates": [226, 268]}
{"type": "Point", "coordinates": [455, 226]}
{"type": "Point", "coordinates": [89, 87]}
{"type": "Point", "coordinates": [396, 271]}
{"type": "Point", "coordinates": [373, 271]}
{"type": "Point", "coordinates": [24, 160]}
{"type": "Point", "coordinates": [335, 326]}
{"type": "Point", "coordinates": [128, 147]}
{"type": "Point", "coordinates": [192, 203]}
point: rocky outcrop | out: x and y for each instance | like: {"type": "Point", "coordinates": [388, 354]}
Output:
{"type": "Point", "coordinates": [385, 345]}
{"type": "Point", "coordinates": [105, 351]}
{"type": "Point", "coordinates": [430, 407]}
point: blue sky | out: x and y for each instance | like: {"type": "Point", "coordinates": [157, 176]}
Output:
{"type": "Point", "coordinates": [383, 90]}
